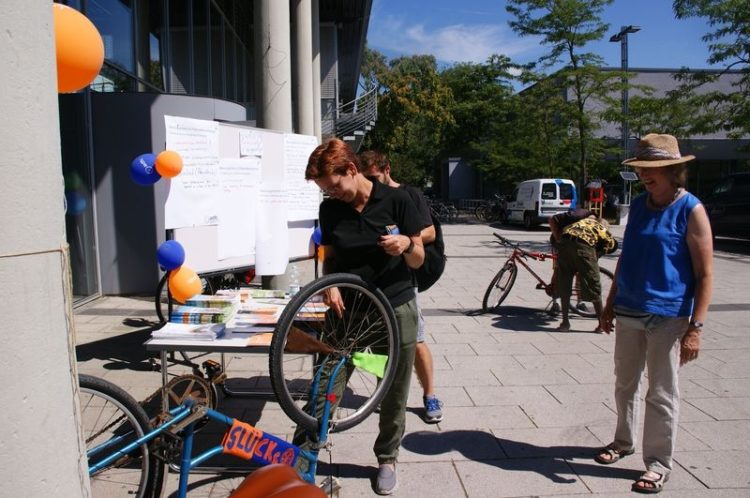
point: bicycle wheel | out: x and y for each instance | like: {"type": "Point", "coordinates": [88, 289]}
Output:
{"type": "Point", "coordinates": [311, 339]}
{"type": "Point", "coordinates": [586, 308]}
{"type": "Point", "coordinates": [111, 419]}
{"type": "Point", "coordinates": [500, 286]}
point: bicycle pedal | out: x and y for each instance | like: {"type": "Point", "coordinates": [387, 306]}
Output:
{"type": "Point", "coordinates": [331, 485]}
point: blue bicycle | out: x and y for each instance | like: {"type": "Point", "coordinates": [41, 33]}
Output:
{"type": "Point", "coordinates": [328, 372]}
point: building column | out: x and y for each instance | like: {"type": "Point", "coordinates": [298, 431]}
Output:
{"type": "Point", "coordinates": [315, 7]}
{"type": "Point", "coordinates": [273, 65]}
{"type": "Point", "coordinates": [43, 452]}
{"type": "Point", "coordinates": [304, 68]}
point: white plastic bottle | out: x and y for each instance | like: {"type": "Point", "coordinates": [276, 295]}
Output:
{"type": "Point", "coordinates": [293, 280]}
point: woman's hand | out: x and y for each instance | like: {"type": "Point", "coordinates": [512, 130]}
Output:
{"type": "Point", "coordinates": [690, 345]}
{"type": "Point", "coordinates": [332, 299]}
{"type": "Point", "coordinates": [394, 245]}
{"type": "Point", "coordinates": [606, 318]}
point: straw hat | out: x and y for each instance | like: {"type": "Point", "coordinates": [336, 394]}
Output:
{"type": "Point", "coordinates": [655, 151]}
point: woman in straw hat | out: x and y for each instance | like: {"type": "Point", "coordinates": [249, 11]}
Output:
{"type": "Point", "coordinates": [660, 300]}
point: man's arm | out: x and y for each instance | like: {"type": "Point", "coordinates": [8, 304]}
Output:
{"type": "Point", "coordinates": [428, 235]}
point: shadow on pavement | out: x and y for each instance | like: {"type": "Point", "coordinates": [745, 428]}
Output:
{"type": "Point", "coordinates": [479, 446]}
{"type": "Point", "coordinates": [123, 352]}
{"type": "Point", "coordinates": [736, 246]}
{"type": "Point", "coordinates": [522, 319]}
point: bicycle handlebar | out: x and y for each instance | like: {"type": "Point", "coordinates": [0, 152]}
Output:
{"type": "Point", "coordinates": [540, 256]}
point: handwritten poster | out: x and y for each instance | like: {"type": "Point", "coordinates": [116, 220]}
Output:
{"type": "Point", "coordinates": [272, 234]}
{"type": "Point", "coordinates": [240, 182]}
{"type": "Point", "coordinates": [193, 194]}
{"type": "Point", "coordinates": [251, 143]}
{"type": "Point", "coordinates": [303, 197]}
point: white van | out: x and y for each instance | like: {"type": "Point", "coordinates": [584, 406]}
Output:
{"type": "Point", "coordinates": [534, 201]}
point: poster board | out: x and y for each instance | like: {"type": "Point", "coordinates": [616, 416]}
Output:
{"type": "Point", "coordinates": [252, 201]}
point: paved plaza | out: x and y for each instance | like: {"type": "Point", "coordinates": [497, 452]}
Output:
{"type": "Point", "coordinates": [526, 406]}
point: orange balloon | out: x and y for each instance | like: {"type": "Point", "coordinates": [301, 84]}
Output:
{"type": "Point", "coordinates": [298, 489]}
{"type": "Point", "coordinates": [168, 164]}
{"type": "Point", "coordinates": [79, 48]}
{"type": "Point", "coordinates": [263, 482]}
{"type": "Point", "coordinates": [184, 283]}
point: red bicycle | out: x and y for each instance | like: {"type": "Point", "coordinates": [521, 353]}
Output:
{"type": "Point", "coordinates": [503, 281]}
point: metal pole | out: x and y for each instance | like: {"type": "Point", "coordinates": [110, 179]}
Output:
{"type": "Point", "coordinates": [624, 127]}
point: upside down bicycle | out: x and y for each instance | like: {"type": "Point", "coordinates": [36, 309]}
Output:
{"type": "Point", "coordinates": [328, 372]}
{"type": "Point", "coordinates": [504, 279]}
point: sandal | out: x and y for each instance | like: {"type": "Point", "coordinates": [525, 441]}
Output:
{"type": "Point", "coordinates": [613, 454]}
{"type": "Point", "coordinates": [653, 486]}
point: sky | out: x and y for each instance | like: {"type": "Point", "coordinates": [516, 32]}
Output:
{"type": "Point", "coordinates": [472, 30]}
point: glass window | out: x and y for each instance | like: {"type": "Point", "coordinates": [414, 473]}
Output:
{"type": "Point", "coordinates": [114, 20]}
{"type": "Point", "coordinates": [230, 65]}
{"type": "Point", "coordinates": [549, 191]}
{"type": "Point", "coordinates": [217, 54]}
{"type": "Point", "coordinates": [110, 79]}
{"type": "Point", "coordinates": [155, 74]}
{"type": "Point", "coordinates": [567, 191]}
{"type": "Point", "coordinates": [201, 67]}
{"type": "Point", "coordinates": [179, 53]}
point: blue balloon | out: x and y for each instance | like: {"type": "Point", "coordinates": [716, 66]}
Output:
{"type": "Point", "coordinates": [170, 255]}
{"type": "Point", "coordinates": [143, 171]}
{"type": "Point", "coordinates": [317, 236]}
{"type": "Point", "coordinates": [76, 202]}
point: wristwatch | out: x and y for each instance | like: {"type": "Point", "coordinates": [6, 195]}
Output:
{"type": "Point", "coordinates": [410, 248]}
{"type": "Point", "coordinates": [696, 324]}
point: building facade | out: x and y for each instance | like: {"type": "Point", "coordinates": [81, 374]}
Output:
{"type": "Point", "coordinates": [289, 65]}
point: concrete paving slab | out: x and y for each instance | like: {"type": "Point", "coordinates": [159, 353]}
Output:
{"type": "Point", "coordinates": [523, 403]}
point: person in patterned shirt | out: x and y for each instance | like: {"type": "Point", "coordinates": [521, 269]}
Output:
{"type": "Point", "coordinates": [580, 246]}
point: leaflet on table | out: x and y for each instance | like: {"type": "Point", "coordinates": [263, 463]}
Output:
{"type": "Point", "coordinates": [198, 314]}
{"type": "Point", "coordinates": [207, 332]}
{"type": "Point", "coordinates": [226, 300]}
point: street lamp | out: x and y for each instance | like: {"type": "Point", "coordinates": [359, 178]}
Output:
{"type": "Point", "coordinates": [622, 37]}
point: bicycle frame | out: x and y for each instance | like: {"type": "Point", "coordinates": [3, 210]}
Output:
{"type": "Point", "coordinates": [241, 439]}
{"type": "Point", "coordinates": [519, 255]}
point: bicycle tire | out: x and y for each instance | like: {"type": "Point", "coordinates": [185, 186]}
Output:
{"type": "Point", "coordinates": [368, 325]}
{"type": "Point", "coordinates": [502, 282]}
{"type": "Point", "coordinates": [584, 308]}
{"type": "Point", "coordinates": [107, 411]}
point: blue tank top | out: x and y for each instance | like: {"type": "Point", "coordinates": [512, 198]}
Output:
{"type": "Point", "coordinates": [656, 272]}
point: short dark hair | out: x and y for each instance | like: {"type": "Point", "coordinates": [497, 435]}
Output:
{"type": "Point", "coordinates": [678, 174]}
{"type": "Point", "coordinates": [373, 158]}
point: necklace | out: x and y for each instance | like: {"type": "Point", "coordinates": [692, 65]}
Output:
{"type": "Point", "coordinates": [662, 207]}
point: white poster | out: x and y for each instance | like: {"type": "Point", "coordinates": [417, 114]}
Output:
{"type": "Point", "coordinates": [240, 184]}
{"type": "Point", "coordinates": [272, 234]}
{"type": "Point", "coordinates": [193, 194]}
{"type": "Point", "coordinates": [304, 196]}
{"type": "Point", "coordinates": [251, 143]}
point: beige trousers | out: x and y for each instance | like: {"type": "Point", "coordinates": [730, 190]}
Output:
{"type": "Point", "coordinates": [652, 341]}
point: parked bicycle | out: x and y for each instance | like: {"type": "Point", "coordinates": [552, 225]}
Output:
{"type": "Point", "coordinates": [492, 210]}
{"type": "Point", "coordinates": [503, 281]}
{"type": "Point", "coordinates": [445, 211]}
{"type": "Point", "coordinates": [313, 349]}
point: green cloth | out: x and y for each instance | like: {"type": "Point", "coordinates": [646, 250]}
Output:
{"type": "Point", "coordinates": [372, 363]}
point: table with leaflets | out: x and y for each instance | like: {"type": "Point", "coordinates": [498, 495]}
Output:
{"type": "Point", "coordinates": [234, 322]}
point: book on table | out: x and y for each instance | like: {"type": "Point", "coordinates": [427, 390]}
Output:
{"type": "Point", "coordinates": [198, 332]}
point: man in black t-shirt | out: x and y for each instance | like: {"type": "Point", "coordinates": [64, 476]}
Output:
{"type": "Point", "coordinates": [376, 166]}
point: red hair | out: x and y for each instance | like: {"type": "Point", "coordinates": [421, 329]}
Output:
{"type": "Point", "coordinates": [332, 156]}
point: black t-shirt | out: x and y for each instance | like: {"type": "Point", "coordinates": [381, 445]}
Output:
{"type": "Point", "coordinates": [419, 201]}
{"type": "Point", "coordinates": [354, 237]}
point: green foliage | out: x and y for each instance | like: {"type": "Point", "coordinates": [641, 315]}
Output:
{"type": "Point", "coordinates": [413, 112]}
{"type": "Point", "coordinates": [567, 26]}
{"type": "Point", "coordinates": [729, 45]}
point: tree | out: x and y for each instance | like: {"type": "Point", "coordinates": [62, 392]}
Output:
{"type": "Point", "coordinates": [567, 26]}
{"type": "Point", "coordinates": [412, 115]}
{"type": "Point", "coordinates": [481, 112]}
{"type": "Point", "coordinates": [729, 44]}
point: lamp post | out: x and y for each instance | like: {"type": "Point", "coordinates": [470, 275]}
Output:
{"type": "Point", "coordinates": [622, 37]}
